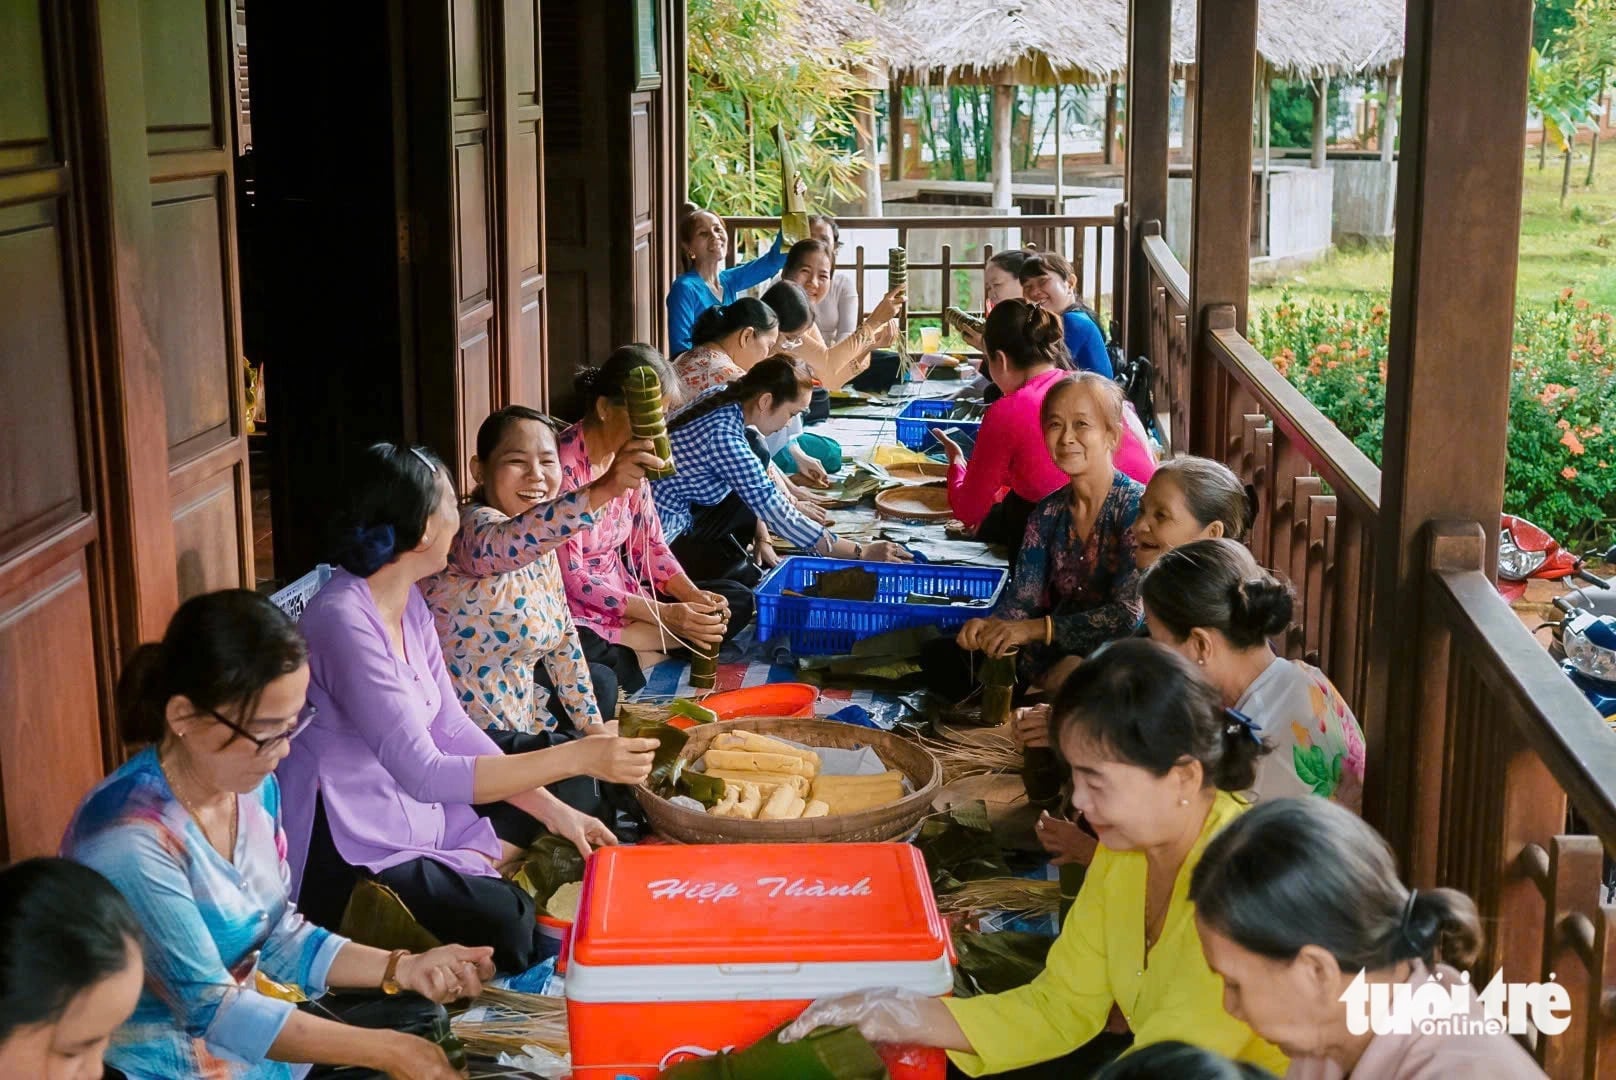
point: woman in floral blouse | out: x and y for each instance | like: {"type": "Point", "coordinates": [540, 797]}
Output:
{"type": "Point", "coordinates": [1075, 585]}
{"type": "Point", "coordinates": [727, 340]}
{"type": "Point", "coordinates": [500, 605]}
{"type": "Point", "coordinates": [1213, 603]}
{"type": "Point", "coordinates": [624, 586]}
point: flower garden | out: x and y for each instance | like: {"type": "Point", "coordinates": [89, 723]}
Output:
{"type": "Point", "coordinates": [1561, 470]}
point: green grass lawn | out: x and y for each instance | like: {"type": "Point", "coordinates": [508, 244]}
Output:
{"type": "Point", "coordinates": [1572, 246]}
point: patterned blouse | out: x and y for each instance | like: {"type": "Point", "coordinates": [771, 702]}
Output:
{"type": "Point", "coordinates": [1089, 585]}
{"type": "Point", "coordinates": [210, 925]}
{"type": "Point", "coordinates": [604, 565]}
{"type": "Point", "coordinates": [1318, 748]}
{"type": "Point", "coordinates": [703, 368]}
{"type": "Point", "coordinates": [501, 608]}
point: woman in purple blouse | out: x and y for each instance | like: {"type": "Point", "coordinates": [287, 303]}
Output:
{"type": "Point", "coordinates": [388, 779]}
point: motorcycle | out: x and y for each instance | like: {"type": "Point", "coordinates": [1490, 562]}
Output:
{"type": "Point", "coordinates": [1527, 553]}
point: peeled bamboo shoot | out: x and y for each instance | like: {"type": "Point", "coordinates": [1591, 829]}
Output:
{"type": "Point", "coordinates": [781, 804]}
{"type": "Point", "coordinates": [755, 762]}
{"type": "Point", "coordinates": [816, 808]}
{"type": "Point", "coordinates": [762, 744]}
{"type": "Point", "coordinates": [736, 777]}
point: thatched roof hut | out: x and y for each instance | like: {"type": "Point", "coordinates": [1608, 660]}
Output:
{"type": "Point", "coordinates": [854, 31]}
{"type": "Point", "coordinates": [1039, 42]}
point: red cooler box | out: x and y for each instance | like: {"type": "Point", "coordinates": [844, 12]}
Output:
{"type": "Point", "coordinates": [682, 951]}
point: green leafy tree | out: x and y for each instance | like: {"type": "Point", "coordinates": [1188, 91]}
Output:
{"type": "Point", "coordinates": [1290, 111]}
{"type": "Point", "coordinates": [750, 68]}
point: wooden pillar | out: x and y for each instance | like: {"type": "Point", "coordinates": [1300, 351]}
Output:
{"type": "Point", "coordinates": [1150, 91]}
{"type": "Point", "coordinates": [895, 130]}
{"type": "Point", "coordinates": [1388, 117]}
{"type": "Point", "coordinates": [1111, 122]}
{"type": "Point", "coordinates": [1192, 82]}
{"type": "Point", "coordinates": [1448, 377]}
{"type": "Point", "coordinates": [1321, 119]}
{"type": "Point", "coordinates": [1003, 111]}
{"type": "Point", "coordinates": [1266, 126]}
{"type": "Point", "coordinates": [1220, 213]}
{"type": "Point", "coordinates": [1060, 157]}
{"type": "Point", "coordinates": [864, 138]}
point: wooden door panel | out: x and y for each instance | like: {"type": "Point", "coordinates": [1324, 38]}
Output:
{"type": "Point", "coordinates": [207, 539]}
{"type": "Point", "coordinates": [50, 743]}
{"type": "Point", "coordinates": [470, 81]}
{"type": "Point", "coordinates": [523, 234]}
{"type": "Point", "coordinates": [187, 53]}
{"type": "Point", "coordinates": [193, 334]}
{"type": "Point", "coordinates": [40, 484]}
{"type": "Point", "coordinates": [471, 221]}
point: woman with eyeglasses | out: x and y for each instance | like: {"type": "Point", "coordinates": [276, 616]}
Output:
{"type": "Point", "coordinates": [189, 831]}
{"type": "Point", "coordinates": [705, 283]}
{"type": "Point", "coordinates": [393, 781]}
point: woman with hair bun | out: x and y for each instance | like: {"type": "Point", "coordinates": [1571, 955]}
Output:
{"type": "Point", "coordinates": [1155, 764]}
{"type": "Point", "coordinates": [393, 780]}
{"type": "Point", "coordinates": [1297, 900]}
{"type": "Point", "coordinates": [188, 830]}
{"type": "Point", "coordinates": [705, 283]}
{"type": "Point", "coordinates": [728, 340]}
{"type": "Point", "coordinates": [624, 585]}
{"type": "Point", "coordinates": [1211, 602]}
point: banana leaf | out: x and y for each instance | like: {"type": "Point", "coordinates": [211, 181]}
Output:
{"type": "Point", "coordinates": [994, 963]}
{"type": "Point", "coordinates": [670, 743]}
{"type": "Point", "coordinates": [959, 846]}
{"type": "Point", "coordinates": [828, 1054]}
{"type": "Point", "coordinates": [699, 786]}
{"type": "Point", "coordinates": [691, 711]}
{"type": "Point", "coordinates": [375, 916]}
{"type": "Point", "coordinates": [905, 643]}
{"type": "Point", "coordinates": [854, 583]}
{"type": "Point", "coordinates": [548, 864]}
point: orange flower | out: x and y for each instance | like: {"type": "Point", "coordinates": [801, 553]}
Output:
{"type": "Point", "coordinates": [1378, 309]}
{"type": "Point", "coordinates": [1363, 352]}
{"type": "Point", "coordinates": [1333, 364]}
{"type": "Point", "coordinates": [1570, 441]}
{"type": "Point", "coordinates": [1563, 425]}
{"type": "Point", "coordinates": [1598, 350]}
{"type": "Point", "coordinates": [1582, 305]}
{"type": "Point", "coordinates": [1573, 356]}
{"type": "Point", "coordinates": [1565, 294]}
{"type": "Point", "coordinates": [1325, 349]}
{"type": "Point", "coordinates": [1568, 473]}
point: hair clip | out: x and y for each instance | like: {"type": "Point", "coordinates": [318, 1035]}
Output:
{"type": "Point", "coordinates": [1239, 720]}
{"type": "Point", "coordinates": [421, 454]}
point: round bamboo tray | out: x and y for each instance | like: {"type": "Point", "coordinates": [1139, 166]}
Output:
{"type": "Point", "coordinates": [914, 504]}
{"type": "Point", "coordinates": [891, 822]}
{"type": "Point", "coordinates": [919, 472]}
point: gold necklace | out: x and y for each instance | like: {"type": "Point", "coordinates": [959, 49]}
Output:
{"type": "Point", "coordinates": [190, 808]}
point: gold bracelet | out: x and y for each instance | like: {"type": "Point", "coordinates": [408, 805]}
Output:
{"type": "Point", "coordinates": [1049, 629]}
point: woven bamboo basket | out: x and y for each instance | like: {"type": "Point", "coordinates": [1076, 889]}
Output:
{"type": "Point", "coordinates": [891, 822]}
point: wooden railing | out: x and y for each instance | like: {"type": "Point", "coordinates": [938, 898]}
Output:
{"type": "Point", "coordinates": [1070, 235]}
{"type": "Point", "coordinates": [1515, 802]}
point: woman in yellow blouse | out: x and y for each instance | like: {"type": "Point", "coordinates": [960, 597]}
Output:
{"type": "Point", "coordinates": [1153, 758]}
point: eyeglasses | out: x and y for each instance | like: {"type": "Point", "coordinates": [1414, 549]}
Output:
{"type": "Point", "coordinates": [790, 343]}
{"type": "Point", "coordinates": [264, 746]}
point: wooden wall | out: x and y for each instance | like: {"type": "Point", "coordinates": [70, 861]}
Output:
{"type": "Point", "coordinates": [120, 398]}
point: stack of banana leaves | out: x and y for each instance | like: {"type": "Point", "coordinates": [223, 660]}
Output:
{"type": "Point", "coordinates": [888, 661]}
{"type": "Point", "coordinates": [827, 1054]}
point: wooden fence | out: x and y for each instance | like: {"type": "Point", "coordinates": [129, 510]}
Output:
{"type": "Point", "coordinates": [1516, 786]}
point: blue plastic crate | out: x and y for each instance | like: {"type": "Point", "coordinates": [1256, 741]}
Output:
{"type": "Point", "coordinates": [819, 627]}
{"type": "Point", "coordinates": [920, 416]}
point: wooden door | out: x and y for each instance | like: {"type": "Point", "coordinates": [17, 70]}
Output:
{"type": "Point", "coordinates": [522, 238]}
{"type": "Point", "coordinates": [188, 66]}
{"type": "Point", "coordinates": [54, 613]}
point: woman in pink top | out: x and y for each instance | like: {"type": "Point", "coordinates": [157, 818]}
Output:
{"type": "Point", "coordinates": [1010, 470]}
{"type": "Point", "coordinates": [623, 585]}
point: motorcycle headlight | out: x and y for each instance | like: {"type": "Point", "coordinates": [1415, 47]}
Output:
{"type": "Point", "coordinates": [1515, 564]}
{"type": "Point", "coordinates": [1587, 649]}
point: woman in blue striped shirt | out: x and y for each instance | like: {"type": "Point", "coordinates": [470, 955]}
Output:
{"type": "Point", "coordinates": [721, 494]}
{"type": "Point", "coordinates": [189, 830]}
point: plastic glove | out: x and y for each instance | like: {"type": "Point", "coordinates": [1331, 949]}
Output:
{"type": "Point", "coordinates": [882, 1016]}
